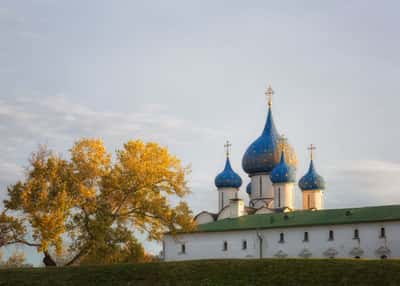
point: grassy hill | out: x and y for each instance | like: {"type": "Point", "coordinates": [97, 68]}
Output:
{"type": "Point", "coordinates": [215, 272]}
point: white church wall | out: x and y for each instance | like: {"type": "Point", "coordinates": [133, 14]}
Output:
{"type": "Point", "coordinates": [236, 208]}
{"type": "Point", "coordinates": [313, 199]}
{"type": "Point", "coordinates": [264, 210]}
{"type": "Point", "coordinates": [225, 195]}
{"type": "Point", "coordinates": [203, 218]}
{"type": "Point", "coordinates": [225, 213]}
{"type": "Point", "coordinates": [283, 195]}
{"type": "Point", "coordinates": [210, 245]}
{"type": "Point", "coordinates": [261, 190]}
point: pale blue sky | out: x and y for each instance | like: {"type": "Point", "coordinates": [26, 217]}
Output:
{"type": "Point", "coordinates": [192, 74]}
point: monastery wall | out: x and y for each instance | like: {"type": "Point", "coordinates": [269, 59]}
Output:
{"type": "Point", "coordinates": [344, 244]}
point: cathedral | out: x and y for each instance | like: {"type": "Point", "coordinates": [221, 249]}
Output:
{"type": "Point", "coordinates": [270, 226]}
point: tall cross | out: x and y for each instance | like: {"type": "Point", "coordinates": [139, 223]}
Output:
{"type": "Point", "coordinates": [269, 93]}
{"type": "Point", "coordinates": [228, 146]}
{"type": "Point", "coordinates": [312, 148]}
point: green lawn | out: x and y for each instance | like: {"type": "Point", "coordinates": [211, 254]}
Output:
{"type": "Point", "coordinates": [216, 272]}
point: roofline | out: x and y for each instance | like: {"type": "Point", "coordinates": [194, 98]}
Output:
{"type": "Point", "coordinates": [288, 226]}
{"type": "Point", "coordinates": [206, 212]}
{"type": "Point", "coordinates": [293, 226]}
{"type": "Point", "coordinates": [300, 225]}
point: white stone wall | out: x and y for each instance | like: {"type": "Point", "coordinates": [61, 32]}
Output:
{"type": "Point", "coordinates": [210, 245]}
{"type": "Point", "coordinates": [203, 218]}
{"type": "Point", "coordinates": [225, 195]}
{"type": "Point", "coordinates": [261, 190]}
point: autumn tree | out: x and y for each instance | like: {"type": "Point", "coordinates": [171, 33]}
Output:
{"type": "Point", "coordinates": [96, 205]}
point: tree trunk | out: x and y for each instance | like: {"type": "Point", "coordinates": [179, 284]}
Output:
{"type": "Point", "coordinates": [48, 260]}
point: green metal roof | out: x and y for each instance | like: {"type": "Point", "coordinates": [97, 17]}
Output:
{"type": "Point", "coordinates": [304, 218]}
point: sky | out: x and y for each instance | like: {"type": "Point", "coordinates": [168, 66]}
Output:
{"type": "Point", "coordinates": [192, 74]}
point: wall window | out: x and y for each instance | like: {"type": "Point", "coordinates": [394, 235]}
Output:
{"type": "Point", "coordinates": [305, 236]}
{"type": "Point", "coordinates": [281, 237]}
{"type": "Point", "coordinates": [222, 200]}
{"type": "Point", "coordinates": [225, 246]}
{"type": "Point", "coordinates": [244, 244]}
{"type": "Point", "coordinates": [183, 248]}
{"type": "Point", "coordinates": [382, 233]}
{"type": "Point", "coordinates": [260, 187]}
{"type": "Point", "coordinates": [356, 234]}
{"type": "Point", "coordinates": [331, 236]}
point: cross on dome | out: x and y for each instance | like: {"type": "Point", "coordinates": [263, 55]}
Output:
{"type": "Point", "coordinates": [269, 93]}
{"type": "Point", "coordinates": [228, 147]}
{"type": "Point", "coordinates": [311, 149]}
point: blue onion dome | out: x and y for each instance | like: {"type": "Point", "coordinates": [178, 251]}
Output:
{"type": "Point", "coordinates": [312, 180]}
{"type": "Point", "coordinates": [283, 172]}
{"type": "Point", "coordinates": [248, 189]}
{"type": "Point", "coordinates": [264, 153]}
{"type": "Point", "coordinates": [228, 178]}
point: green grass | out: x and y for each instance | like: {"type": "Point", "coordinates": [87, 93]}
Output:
{"type": "Point", "coordinates": [216, 272]}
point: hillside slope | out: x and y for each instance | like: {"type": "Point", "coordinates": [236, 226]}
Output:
{"type": "Point", "coordinates": [216, 272]}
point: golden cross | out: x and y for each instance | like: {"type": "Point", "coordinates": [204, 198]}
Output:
{"type": "Point", "coordinates": [312, 148]}
{"type": "Point", "coordinates": [269, 93]}
{"type": "Point", "coordinates": [227, 146]}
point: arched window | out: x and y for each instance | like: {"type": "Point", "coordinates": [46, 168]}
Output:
{"type": "Point", "coordinates": [244, 244]}
{"type": "Point", "coordinates": [309, 201]}
{"type": "Point", "coordinates": [356, 234]}
{"type": "Point", "coordinates": [225, 246]}
{"type": "Point", "coordinates": [281, 237]}
{"type": "Point", "coordinates": [331, 235]}
{"type": "Point", "coordinates": [222, 200]}
{"type": "Point", "coordinates": [260, 187]}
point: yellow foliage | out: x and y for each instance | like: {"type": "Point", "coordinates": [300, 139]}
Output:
{"type": "Point", "coordinates": [99, 203]}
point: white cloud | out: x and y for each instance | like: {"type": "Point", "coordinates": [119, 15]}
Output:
{"type": "Point", "coordinates": [10, 171]}
{"type": "Point", "coordinates": [367, 166]}
{"type": "Point", "coordinates": [56, 117]}
{"type": "Point", "coordinates": [362, 182]}
{"type": "Point", "coordinates": [26, 122]}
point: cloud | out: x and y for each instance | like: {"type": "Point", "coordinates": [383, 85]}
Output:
{"type": "Point", "coordinates": [363, 182]}
{"type": "Point", "coordinates": [10, 171]}
{"type": "Point", "coordinates": [56, 118]}
{"type": "Point", "coordinates": [373, 166]}
{"type": "Point", "coordinates": [26, 122]}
